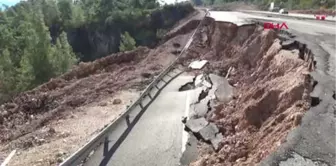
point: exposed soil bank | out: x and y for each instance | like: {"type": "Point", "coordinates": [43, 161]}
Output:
{"type": "Point", "coordinates": [272, 87]}
{"type": "Point", "coordinates": [33, 121]}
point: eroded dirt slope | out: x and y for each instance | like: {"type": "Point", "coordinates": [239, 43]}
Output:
{"type": "Point", "coordinates": [270, 96]}
{"type": "Point", "coordinates": [52, 121]}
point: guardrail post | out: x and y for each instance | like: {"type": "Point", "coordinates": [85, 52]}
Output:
{"type": "Point", "coordinates": [127, 120]}
{"type": "Point", "coordinates": [169, 75]}
{"type": "Point", "coordinates": [106, 147]}
{"type": "Point", "coordinates": [163, 81]}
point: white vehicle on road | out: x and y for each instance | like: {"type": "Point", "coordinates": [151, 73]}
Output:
{"type": "Point", "coordinates": [283, 11]}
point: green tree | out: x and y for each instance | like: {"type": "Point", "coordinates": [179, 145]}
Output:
{"type": "Point", "coordinates": [63, 58]}
{"type": "Point", "coordinates": [66, 12]}
{"type": "Point", "coordinates": [34, 44]}
{"type": "Point", "coordinates": [127, 42]}
{"type": "Point", "coordinates": [7, 74]}
{"type": "Point", "coordinates": [27, 56]}
{"type": "Point", "coordinates": [51, 12]}
{"type": "Point", "coordinates": [35, 62]}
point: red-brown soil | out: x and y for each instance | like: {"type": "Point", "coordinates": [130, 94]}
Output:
{"type": "Point", "coordinates": [271, 90]}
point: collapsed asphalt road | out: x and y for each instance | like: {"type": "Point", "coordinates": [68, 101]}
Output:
{"type": "Point", "coordinates": [202, 93]}
{"type": "Point", "coordinates": [156, 139]}
{"type": "Point", "coordinates": [159, 138]}
{"type": "Point", "coordinates": [313, 142]}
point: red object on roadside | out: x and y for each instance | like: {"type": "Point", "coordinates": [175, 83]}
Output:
{"type": "Point", "coordinates": [320, 17]}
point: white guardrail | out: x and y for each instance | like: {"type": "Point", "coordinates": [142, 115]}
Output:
{"type": "Point", "coordinates": [290, 15]}
{"type": "Point", "coordinates": [129, 118]}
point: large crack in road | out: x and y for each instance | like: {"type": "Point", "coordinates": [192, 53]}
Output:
{"type": "Point", "coordinates": [314, 138]}
{"type": "Point", "coordinates": [197, 127]}
{"type": "Point", "coordinates": [271, 88]}
{"type": "Point", "coordinates": [197, 124]}
{"type": "Point", "coordinates": [240, 107]}
{"type": "Point", "coordinates": [313, 142]}
{"type": "Point", "coordinates": [243, 107]}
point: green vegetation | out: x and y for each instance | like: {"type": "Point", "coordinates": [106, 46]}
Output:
{"type": "Point", "coordinates": [41, 39]}
{"type": "Point", "coordinates": [27, 56]}
{"type": "Point", "coordinates": [127, 42]}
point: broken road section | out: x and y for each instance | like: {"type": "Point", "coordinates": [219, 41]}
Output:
{"type": "Point", "coordinates": [206, 90]}
{"type": "Point", "coordinates": [270, 91]}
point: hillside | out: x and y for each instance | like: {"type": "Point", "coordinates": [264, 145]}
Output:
{"type": "Point", "coordinates": [42, 39]}
{"type": "Point", "coordinates": [50, 122]}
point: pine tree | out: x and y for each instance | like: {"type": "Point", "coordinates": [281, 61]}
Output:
{"type": "Point", "coordinates": [33, 39]}
{"type": "Point", "coordinates": [127, 42]}
{"type": "Point", "coordinates": [63, 58]}
{"type": "Point", "coordinates": [7, 73]}
{"type": "Point", "coordinates": [35, 62]}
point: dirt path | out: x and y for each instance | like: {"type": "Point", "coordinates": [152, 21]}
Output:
{"type": "Point", "coordinates": [64, 136]}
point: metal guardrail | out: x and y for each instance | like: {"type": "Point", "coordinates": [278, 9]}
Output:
{"type": "Point", "coordinates": [287, 16]}
{"type": "Point", "coordinates": [80, 155]}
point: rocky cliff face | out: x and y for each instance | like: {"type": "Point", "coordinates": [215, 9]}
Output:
{"type": "Point", "coordinates": [97, 40]}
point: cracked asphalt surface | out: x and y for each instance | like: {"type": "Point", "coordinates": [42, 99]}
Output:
{"type": "Point", "coordinates": [313, 142]}
{"type": "Point", "coordinates": [157, 139]}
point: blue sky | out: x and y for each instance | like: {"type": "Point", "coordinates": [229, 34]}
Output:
{"type": "Point", "coordinates": [9, 2]}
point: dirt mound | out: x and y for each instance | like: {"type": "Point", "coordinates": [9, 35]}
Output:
{"type": "Point", "coordinates": [84, 84]}
{"type": "Point", "coordinates": [190, 25]}
{"type": "Point", "coordinates": [271, 90]}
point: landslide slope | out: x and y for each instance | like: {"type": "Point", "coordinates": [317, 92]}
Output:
{"type": "Point", "coordinates": [272, 87]}
{"type": "Point", "coordinates": [52, 121]}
